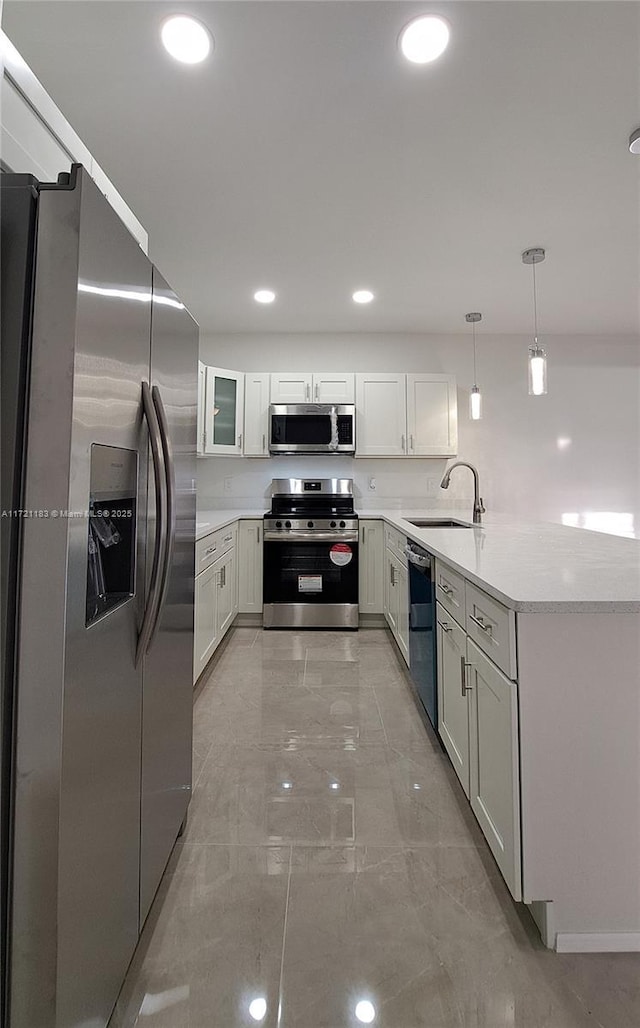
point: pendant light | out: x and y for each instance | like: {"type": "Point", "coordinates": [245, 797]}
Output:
{"type": "Point", "coordinates": [537, 356]}
{"type": "Point", "coordinates": [475, 396]}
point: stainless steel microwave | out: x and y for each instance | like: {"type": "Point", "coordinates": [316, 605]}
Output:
{"type": "Point", "coordinates": [312, 428]}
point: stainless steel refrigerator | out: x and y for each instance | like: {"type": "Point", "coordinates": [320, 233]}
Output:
{"type": "Point", "coordinates": [99, 395]}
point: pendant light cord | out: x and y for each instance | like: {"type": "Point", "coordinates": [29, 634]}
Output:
{"type": "Point", "coordinates": [475, 371]}
{"type": "Point", "coordinates": [535, 307]}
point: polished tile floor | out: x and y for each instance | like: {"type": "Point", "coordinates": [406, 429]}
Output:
{"type": "Point", "coordinates": [332, 874]}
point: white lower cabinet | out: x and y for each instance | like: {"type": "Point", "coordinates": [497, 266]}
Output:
{"type": "Point", "coordinates": [227, 604]}
{"type": "Point", "coordinates": [493, 762]}
{"type": "Point", "coordinates": [250, 566]}
{"type": "Point", "coordinates": [396, 600]}
{"type": "Point", "coordinates": [478, 721]}
{"type": "Point", "coordinates": [371, 567]}
{"type": "Point", "coordinates": [216, 594]}
{"type": "Point", "coordinates": [453, 708]}
{"type": "Point", "coordinates": [206, 619]}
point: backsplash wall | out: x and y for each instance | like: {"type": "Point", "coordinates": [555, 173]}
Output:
{"type": "Point", "coordinates": [573, 455]}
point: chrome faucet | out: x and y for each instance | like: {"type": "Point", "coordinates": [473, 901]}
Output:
{"type": "Point", "coordinates": [478, 507]}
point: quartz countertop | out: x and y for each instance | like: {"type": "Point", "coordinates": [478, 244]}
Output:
{"type": "Point", "coordinates": [208, 521]}
{"type": "Point", "coordinates": [528, 566]}
{"type": "Point", "coordinates": [536, 566]}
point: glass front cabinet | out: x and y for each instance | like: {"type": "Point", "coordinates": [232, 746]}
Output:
{"type": "Point", "coordinates": [223, 404]}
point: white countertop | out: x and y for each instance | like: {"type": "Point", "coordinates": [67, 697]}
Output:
{"type": "Point", "coordinates": [208, 521]}
{"type": "Point", "coordinates": [535, 566]}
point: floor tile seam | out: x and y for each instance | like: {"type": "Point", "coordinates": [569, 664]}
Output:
{"type": "Point", "coordinates": [202, 767]}
{"type": "Point", "coordinates": [384, 729]}
{"type": "Point", "coordinates": [284, 937]}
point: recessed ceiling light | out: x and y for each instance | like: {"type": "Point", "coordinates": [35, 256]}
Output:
{"type": "Point", "coordinates": [186, 39]}
{"type": "Point", "coordinates": [264, 296]}
{"type": "Point", "coordinates": [424, 39]}
{"type": "Point", "coordinates": [634, 141]}
{"type": "Point", "coordinates": [362, 296]}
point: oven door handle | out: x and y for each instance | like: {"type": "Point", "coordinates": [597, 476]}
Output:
{"type": "Point", "coordinates": [311, 537]}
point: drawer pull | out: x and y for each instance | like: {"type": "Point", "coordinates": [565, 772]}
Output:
{"type": "Point", "coordinates": [446, 627]}
{"type": "Point", "coordinates": [464, 664]}
{"type": "Point", "coordinates": [212, 549]}
{"type": "Point", "coordinates": [480, 623]}
{"type": "Point", "coordinates": [227, 538]}
{"type": "Point", "coordinates": [447, 590]}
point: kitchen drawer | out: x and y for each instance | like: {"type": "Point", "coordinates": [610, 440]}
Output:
{"type": "Point", "coordinates": [214, 545]}
{"type": "Point", "coordinates": [492, 626]}
{"type": "Point", "coordinates": [450, 591]}
{"type": "Point", "coordinates": [396, 542]}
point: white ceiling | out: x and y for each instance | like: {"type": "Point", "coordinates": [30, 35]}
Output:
{"type": "Point", "coordinates": [309, 157]}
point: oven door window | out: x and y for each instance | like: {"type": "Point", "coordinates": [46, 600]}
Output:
{"type": "Point", "coordinates": [308, 572]}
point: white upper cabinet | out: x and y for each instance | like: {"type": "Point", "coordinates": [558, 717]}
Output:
{"type": "Point", "coordinates": [331, 388]}
{"type": "Point", "coordinates": [432, 416]}
{"type": "Point", "coordinates": [224, 410]}
{"type": "Point", "coordinates": [406, 415]}
{"type": "Point", "coordinates": [381, 415]}
{"type": "Point", "coordinates": [316, 387]}
{"type": "Point", "coordinates": [256, 414]}
{"type": "Point", "coordinates": [291, 388]}
{"type": "Point", "coordinates": [202, 389]}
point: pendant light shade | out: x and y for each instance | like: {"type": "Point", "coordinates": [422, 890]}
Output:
{"type": "Point", "coordinates": [475, 404]}
{"type": "Point", "coordinates": [537, 356]}
{"type": "Point", "coordinates": [475, 396]}
{"type": "Point", "coordinates": [537, 371]}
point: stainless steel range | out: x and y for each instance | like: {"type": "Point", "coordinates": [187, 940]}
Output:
{"type": "Point", "coordinates": [311, 554]}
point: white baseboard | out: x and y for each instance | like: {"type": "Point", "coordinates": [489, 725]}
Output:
{"type": "Point", "coordinates": [598, 942]}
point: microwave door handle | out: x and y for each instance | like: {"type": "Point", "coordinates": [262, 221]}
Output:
{"type": "Point", "coordinates": [170, 531]}
{"type": "Point", "coordinates": [159, 477]}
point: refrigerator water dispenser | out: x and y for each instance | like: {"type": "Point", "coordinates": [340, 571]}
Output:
{"type": "Point", "coordinates": [112, 529]}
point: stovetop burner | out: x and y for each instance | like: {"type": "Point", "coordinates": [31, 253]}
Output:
{"type": "Point", "coordinates": [320, 506]}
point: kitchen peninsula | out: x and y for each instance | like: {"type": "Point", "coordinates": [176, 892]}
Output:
{"type": "Point", "coordinates": [546, 619]}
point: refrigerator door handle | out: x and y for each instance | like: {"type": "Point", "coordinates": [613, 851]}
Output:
{"type": "Point", "coordinates": [170, 527]}
{"type": "Point", "coordinates": [159, 477]}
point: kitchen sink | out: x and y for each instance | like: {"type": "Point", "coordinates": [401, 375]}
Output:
{"type": "Point", "coordinates": [437, 523]}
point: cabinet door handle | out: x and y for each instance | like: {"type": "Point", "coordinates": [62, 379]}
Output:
{"type": "Point", "coordinates": [411, 441]}
{"type": "Point", "coordinates": [263, 444]}
{"type": "Point", "coordinates": [480, 623]}
{"type": "Point", "coordinates": [258, 535]}
{"type": "Point", "coordinates": [393, 574]}
{"type": "Point", "coordinates": [363, 535]}
{"type": "Point", "coordinates": [404, 444]}
{"type": "Point", "coordinates": [316, 393]}
{"type": "Point", "coordinates": [445, 627]}
{"type": "Point", "coordinates": [240, 441]}
{"type": "Point", "coordinates": [308, 392]}
{"type": "Point", "coordinates": [464, 664]}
